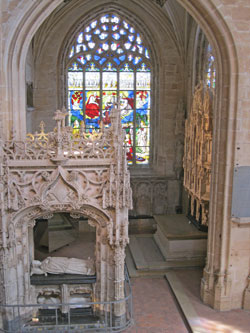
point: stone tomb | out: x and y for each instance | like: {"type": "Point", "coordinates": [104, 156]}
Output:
{"type": "Point", "coordinates": [179, 240]}
{"type": "Point", "coordinates": [81, 174]}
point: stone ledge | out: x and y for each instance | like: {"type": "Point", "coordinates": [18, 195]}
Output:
{"type": "Point", "coordinates": [241, 222]}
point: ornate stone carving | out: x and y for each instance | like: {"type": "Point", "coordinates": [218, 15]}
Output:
{"type": "Point", "coordinates": [198, 154]}
{"type": "Point", "coordinates": [150, 197]}
{"type": "Point", "coordinates": [79, 173]}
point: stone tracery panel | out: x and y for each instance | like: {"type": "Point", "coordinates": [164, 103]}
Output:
{"type": "Point", "coordinates": [62, 171]}
{"type": "Point", "coordinates": [198, 155]}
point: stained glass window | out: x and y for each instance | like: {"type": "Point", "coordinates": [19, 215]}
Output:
{"type": "Point", "coordinates": [210, 68]}
{"type": "Point", "coordinates": [108, 63]}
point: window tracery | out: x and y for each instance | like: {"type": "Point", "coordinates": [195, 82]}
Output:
{"type": "Point", "coordinates": [108, 63]}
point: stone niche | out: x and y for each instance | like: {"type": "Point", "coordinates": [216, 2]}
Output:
{"type": "Point", "coordinates": [62, 173]}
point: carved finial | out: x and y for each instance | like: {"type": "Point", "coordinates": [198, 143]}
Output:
{"type": "Point", "coordinates": [42, 126]}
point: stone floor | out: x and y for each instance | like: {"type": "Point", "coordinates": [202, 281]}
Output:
{"type": "Point", "coordinates": [156, 310]}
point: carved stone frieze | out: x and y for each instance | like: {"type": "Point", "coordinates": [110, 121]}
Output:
{"type": "Point", "coordinates": [149, 195]}
{"type": "Point", "coordinates": [198, 153]}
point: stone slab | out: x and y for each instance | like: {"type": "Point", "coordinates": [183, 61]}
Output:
{"type": "Point", "coordinates": [55, 279]}
{"type": "Point", "coordinates": [177, 226]}
{"type": "Point", "coordinates": [180, 241]}
{"type": "Point", "coordinates": [186, 306]}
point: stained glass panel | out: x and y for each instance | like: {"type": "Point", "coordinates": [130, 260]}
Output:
{"type": "Point", "coordinates": [75, 107]}
{"type": "Point", "coordinates": [142, 136]}
{"type": "Point", "coordinates": [108, 99]}
{"type": "Point", "coordinates": [142, 100]}
{"type": "Point", "coordinates": [142, 118]}
{"type": "Point", "coordinates": [142, 155]}
{"type": "Point", "coordinates": [127, 107]}
{"type": "Point", "coordinates": [126, 80]}
{"type": "Point", "coordinates": [143, 81]}
{"type": "Point", "coordinates": [104, 47]}
{"type": "Point", "coordinates": [75, 80]}
{"type": "Point", "coordinates": [92, 80]}
{"type": "Point", "coordinates": [109, 81]}
{"type": "Point", "coordinates": [92, 104]}
{"type": "Point", "coordinates": [129, 144]}
{"type": "Point", "coordinates": [75, 67]}
{"type": "Point", "coordinates": [75, 100]}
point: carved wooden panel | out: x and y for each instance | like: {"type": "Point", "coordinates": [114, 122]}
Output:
{"type": "Point", "coordinates": [198, 154]}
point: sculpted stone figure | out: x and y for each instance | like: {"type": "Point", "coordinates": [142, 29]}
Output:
{"type": "Point", "coordinates": [63, 265]}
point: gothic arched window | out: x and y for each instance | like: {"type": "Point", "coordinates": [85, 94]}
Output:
{"type": "Point", "coordinates": [107, 63]}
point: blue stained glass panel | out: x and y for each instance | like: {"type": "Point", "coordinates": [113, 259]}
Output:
{"type": "Point", "coordinates": [105, 19]}
{"type": "Point", "coordinates": [75, 100]}
{"type": "Point", "coordinates": [75, 104]}
{"type": "Point", "coordinates": [126, 107]}
{"type": "Point", "coordinates": [116, 61]}
{"type": "Point", "coordinates": [105, 27]}
{"type": "Point", "coordinates": [142, 100]}
{"type": "Point", "coordinates": [102, 61]}
{"type": "Point", "coordinates": [93, 24]}
{"type": "Point", "coordinates": [122, 58]}
{"type": "Point", "coordinates": [115, 19]}
{"type": "Point", "coordinates": [126, 25]}
{"type": "Point", "coordinates": [116, 36]}
{"type": "Point", "coordinates": [120, 51]}
{"type": "Point", "coordinates": [103, 35]}
{"type": "Point", "coordinates": [137, 60]}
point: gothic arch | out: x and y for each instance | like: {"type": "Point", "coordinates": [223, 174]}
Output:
{"type": "Point", "coordinates": [219, 35]}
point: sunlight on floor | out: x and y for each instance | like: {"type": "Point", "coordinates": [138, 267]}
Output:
{"type": "Point", "coordinates": [203, 325]}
